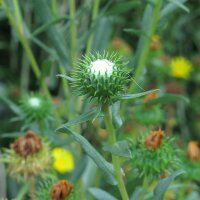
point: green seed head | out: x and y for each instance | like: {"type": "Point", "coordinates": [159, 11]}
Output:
{"type": "Point", "coordinates": [101, 77]}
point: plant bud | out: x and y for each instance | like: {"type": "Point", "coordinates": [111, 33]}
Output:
{"type": "Point", "coordinates": [61, 190]}
{"type": "Point", "coordinates": [193, 151]}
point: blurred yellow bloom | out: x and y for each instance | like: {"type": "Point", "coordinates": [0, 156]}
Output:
{"type": "Point", "coordinates": [63, 160]}
{"type": "Point", "coordinates": [180, 68]}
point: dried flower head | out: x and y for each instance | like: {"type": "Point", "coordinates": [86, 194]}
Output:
{"type": "Point", "coordinates": [193, 151]}
{"type": "Point", "coordinates": [27, 145]}
{"type": "Point", "coordinates": [61, 190]}
{"type": "Point", "coordinates": [28, 157]}
{"type": "Point", "coordinates": [101, 77]}
{"type": "Point", "coordinates": [154, 140]}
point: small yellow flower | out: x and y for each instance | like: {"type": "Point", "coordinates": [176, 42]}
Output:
{"type": "Point", "coordinates": [180, 68]}
{"type": "Point", "coordinates": [63, 160]}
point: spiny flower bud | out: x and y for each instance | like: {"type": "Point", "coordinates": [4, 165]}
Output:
{"type": "Point", "coordinates": [154, 140]}
{"type": "Point", "coordinates": [36, 107]}
{"type": "Point", "coordinates": [102, 77]}
{"type": "Point", "coordinates": [193, 151]}
{"type": "Point", "coordinates": [27, 145]}
{"type": "Point", "coordinates": [61, 190]}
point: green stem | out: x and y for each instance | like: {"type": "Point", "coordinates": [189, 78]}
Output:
{"type": "Point", "coordinates": [73, 32]}
{"type": "Point", "coordinates": [17, 24]}
{"type": "Point", "coordinates": [94, 17]}
{"type": "Point", "coordinates": [145, 52]}
{"type": "Point", "coordinates": [115, 159]}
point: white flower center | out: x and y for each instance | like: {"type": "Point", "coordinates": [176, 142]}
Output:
{"type": "Point", "coordinates": [101, 67]}
{"type": "Point", "coordinates": [34, 102]}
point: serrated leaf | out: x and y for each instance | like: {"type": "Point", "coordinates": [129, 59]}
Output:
{"type": "Point", "coordinates": [90, 115]}
{"type": "Point", "coordinates": [132, 96]}
{"type": "Point", "coordinates": [105, 166]}
{"type": "Point", "coordinates": [168, 98]}
{"type": "Point", "coordinates": [100, 194]}
{"type": "Point", "coordinates": [120, 148]}
{"type": "Point", "coordinates": [163, 184]}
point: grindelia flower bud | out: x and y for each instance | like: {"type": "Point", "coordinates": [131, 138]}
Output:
{"type": "Point", "coordinates": [102, 77]}
{"type": "Point", "coordinates": [61, 190]}
{"type": "Point", "coordinates": [154, 140]}
{"type": "Point", "coordinates": [193, 151]}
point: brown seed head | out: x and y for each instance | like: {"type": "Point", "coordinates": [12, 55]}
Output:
{"type": "Point", "coordinates": [27, 145]}
{"type": "Point", "coordinates": [61, 190]}
{"type": "Point", "coordinates": [154, 140]}
{"type": "Point", "coordinates": [193, 151]}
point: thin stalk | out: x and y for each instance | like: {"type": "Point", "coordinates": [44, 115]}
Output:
{"type": "Point", "coordinates": [73, 32]}
{"type": "Point", "coordinates": [94, 17]}
{"type": "Point", "coordinates": [115, 159]}
{"type": "Point", "coordinates": [17, 24]}
{"type": "Point", "coordinates": [145, 52]}
{"type": "Point", "coordinates": [54, 7]}
{"type": "Point", "coordinates": [146, 47]}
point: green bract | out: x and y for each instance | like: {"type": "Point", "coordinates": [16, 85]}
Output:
{"type": "Point", "coordinates": [102, 77]}
{"type": "Point", "coordinates": [36, 107]}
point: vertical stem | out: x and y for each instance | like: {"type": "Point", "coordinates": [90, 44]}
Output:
{"type": "Point", "coordinates": [94, 17]}
{"type": "Point", "coordinates": [73, 32]}
{"type": "Point", "coordinates": [32, 189]}
{"type": "Point", "coordinates": [145, 51]}
{"type": "Point", "coordinates": [116, 162]}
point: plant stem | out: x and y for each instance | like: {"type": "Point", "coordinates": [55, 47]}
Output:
{"type": "Point", "coordinates": [73, 32]}
{"type": "Point", "coordinates": [116, 162]}
{"type": "Point", "coordinates": [94, 17]}
{"type": "Point", "coordinates": [145, 52]}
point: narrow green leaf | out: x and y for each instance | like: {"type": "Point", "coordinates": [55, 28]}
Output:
{"type": "Point", "coordinates": [90, 115]}
{"type": "Point", "coordinates": [168, 98]}
{"type": "Point", "coordinates": [132, 96]}
{"type": "Point", "coordinates": [100, 194]}
{"type": "Point", "coordinates": [163, 184]}
{"type": "Point", "coordinates": [105, 166]}
{"type": "Point", "coordinates": [66, 77]}
{"type": "Point", "coordinates": [14, 107]}
{"type": "Point", "coordinates": [180, 5]}
{"type": "Point", "coordinates": [23, 191]}
{"type": "Point", "coordinates": [120, 148]}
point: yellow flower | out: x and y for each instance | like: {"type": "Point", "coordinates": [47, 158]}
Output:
{"type": "Point", "coordinates": [63, 160]}
{"type": "Point", "coordinates": [180, 68]}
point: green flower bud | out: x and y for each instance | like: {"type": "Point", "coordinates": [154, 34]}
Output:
{"type": "Point", "coordinates": [101, 77]}
{"type": "Point", "coordinates": [36, 107]}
